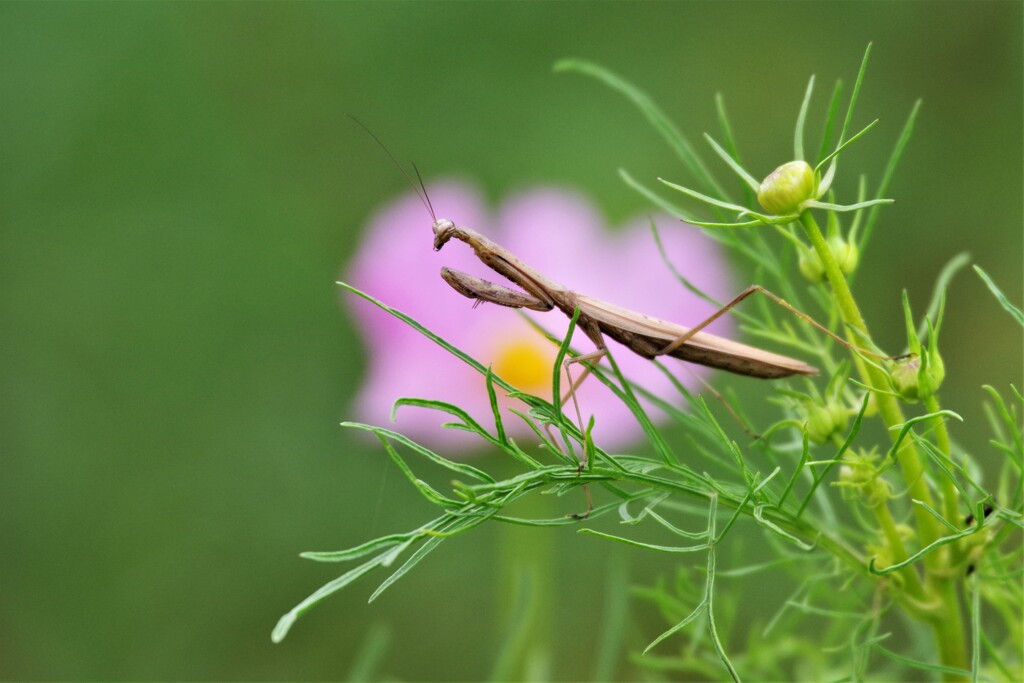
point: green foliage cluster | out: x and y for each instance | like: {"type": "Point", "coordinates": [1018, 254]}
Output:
{"type": "Point", "coordinates": [907, 526]}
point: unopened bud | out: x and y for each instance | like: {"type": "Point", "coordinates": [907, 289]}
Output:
{"type": "Point", "coordinates": [787, 187]}
{"type": "Point", "coordinates": [824, 420]}
{"type": "Point", "coordinates": [860, 479]}
{"type": "Point", "coordinates": [919, 376]}
{"type": "Point", "coordinates": [811, 266]}
{"type": "Point", "coordinates": [845, 253]}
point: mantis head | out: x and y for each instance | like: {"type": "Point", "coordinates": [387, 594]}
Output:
{"type": "Point", "coordinates": [443, 229]}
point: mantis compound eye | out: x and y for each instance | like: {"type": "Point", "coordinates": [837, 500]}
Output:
{"type": "Point", "coordinates": [442, 226]}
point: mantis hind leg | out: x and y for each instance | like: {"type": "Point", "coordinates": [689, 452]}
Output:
{"type": "Point", "coordinates": [754, 289]}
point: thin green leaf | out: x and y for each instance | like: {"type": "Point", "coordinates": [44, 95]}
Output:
{"type": "Point", "coordinates": [750, 181]}
{"type": "Point", "coordinates": [934, 513]}
{"type": "Point", "coordinates": [1009, 421]}
{"type": "Point", "coordinates": [821, 612]}
{"type": "Point", "coordinates": [950, 672]}
{"type": "Point", "coordinates": [461, 468]}
{"type": "Point", "coordinates": [545, 442]}
{"type": "Point", "coordinates": [844, 145]}
{"type": "Point", "coordinates": [1017, 314]}
{"type": "Point", "coordinates": [285, 623]}
{"type": "Point", "coordinates": [801, 119]}
{"type": "Point", "coordinates": [647, 546]}
{"type": "Point", "coordinates": [564, 520]}
{"type": "Point", "coordinates": [856, 93]}
{"type": "Point", "coordinates": [563, 350]}
{"type": "Point", "coordinates": [457, 525]}
{"type": "Point", "coordinates": [713, 225]}
{"type": "Point", "coordinates": [938, 543]}
{"type": "Point", "coordinates": [906, 426]}
{"type": "Point", "coordinates": [736, 513]}
{"type": "Point", "coordinates": [804, 457]}
{"type": "Point", "coordinates": [709, 595]}
{"type": "Point", "coordinates": [424, 488]}
{"type": "Point", "coordinates": [695, 535]}
{"type": "Point", "coordinates": [741, 245]}
{"type": "Point", "coordinates": [730, 141]}
{"type": "Point", "coordinates": [952, 267]}
{"type": "Point", "coordinates": [771, 526]}
{"type": "Point", "coordinates": [697, 611]}
{"type": "Point", "coordinates": [692, 288]}
{"type": "Point", "coordinates": [706, 199]}
{"type": "Point", "coordinates": [651, 196]}
{"type": "Point", "coordinates": [381, 543]}
{"type": "Point", "coordinates": [629, 398]}
{"type": "Point", "coordinates": [830, 119]}
{"type": "Point", "coordinates": [846, 445]}
{"type": "Point", "coordinates": [468, 422]}
{"type": "Point", "coordinates": [740, 572]}
{"type": "Point", "coordinates": [814, 204]}
{"type": "Point", "coordinates": [458, 353]}
{"type": "Point", "coordinates": [890, 169]}
{"type": "Point", "coordinates": [492, 398]}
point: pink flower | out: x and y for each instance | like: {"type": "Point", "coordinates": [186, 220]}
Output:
{"type": "Point", "coordinates": [560, 234]}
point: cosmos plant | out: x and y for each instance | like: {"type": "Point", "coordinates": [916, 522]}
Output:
{"type": "Point", "coordinates": [909, 534]}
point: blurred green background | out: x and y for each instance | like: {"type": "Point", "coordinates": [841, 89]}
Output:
{"type": "Point", "coordinates": [180, 187]}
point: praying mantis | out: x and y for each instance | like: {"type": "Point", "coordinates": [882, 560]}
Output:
{"type": "Point", "coordinates": [644, 335]}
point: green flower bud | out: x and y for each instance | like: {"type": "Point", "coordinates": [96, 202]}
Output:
{"type": "Point", "coordinates": [819, 423]}
{"type": "Point", "coordinates": [840, 415]}
{"type": "Point", "coordinates": [919, 376]}
{"type": "Point", "coordinates": [859, 478]}
{"type": "Point", "coordinates": [845, 253]}
{"type": "Point", "coordinates": [824, 419]}
{"type": "Point", "coordinates": [855, 473]}
{"type": "Point", "coordinates": [903, 376]}
{"type": "Point", "coordinates": [786, 188]}
{"type": "Point", "coordinates": [811, 266]}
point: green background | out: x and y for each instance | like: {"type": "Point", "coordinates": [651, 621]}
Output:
{"type": "Point", "coordinates": [179, 188]}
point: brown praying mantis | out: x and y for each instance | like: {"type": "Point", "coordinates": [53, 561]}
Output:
{"type": "Point", "coordinates": [644, 335]}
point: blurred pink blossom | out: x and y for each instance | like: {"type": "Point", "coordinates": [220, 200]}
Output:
{"type": "Point", "coordinates": [559, 233]}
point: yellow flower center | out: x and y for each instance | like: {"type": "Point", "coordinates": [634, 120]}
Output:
{"type": "Point", "coordinates": [525, 363]}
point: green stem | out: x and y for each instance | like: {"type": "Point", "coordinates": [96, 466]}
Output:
{"type": "Point", "coordinates": [948, 627]}
{"type": "Point", "coordinates": [950, 496]}
{"type": "Point", "coordinates": [908, 457]}
{"type": "Point", "coordinates": [950, 634]}
{"type": "Point", "coordinates": [895, 543]}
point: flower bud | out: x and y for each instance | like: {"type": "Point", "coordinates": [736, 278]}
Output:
{"type": "Point", "coordinates": [824, 420]}
{"type": "Point", "coordinates": [786, 188]}
{"type": "Point", "coordinates": [919, 376]}
{"type": "Point", "coordinates": [845, 253]}
{"type": "Point", "coordinates": [859, 479]}
{"type": "Point", "coordinates": [903, 376]}
{"type": "Point", "coordinates": [811, 266]}
{"type": "Point", "coordinates": [840, 415]}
